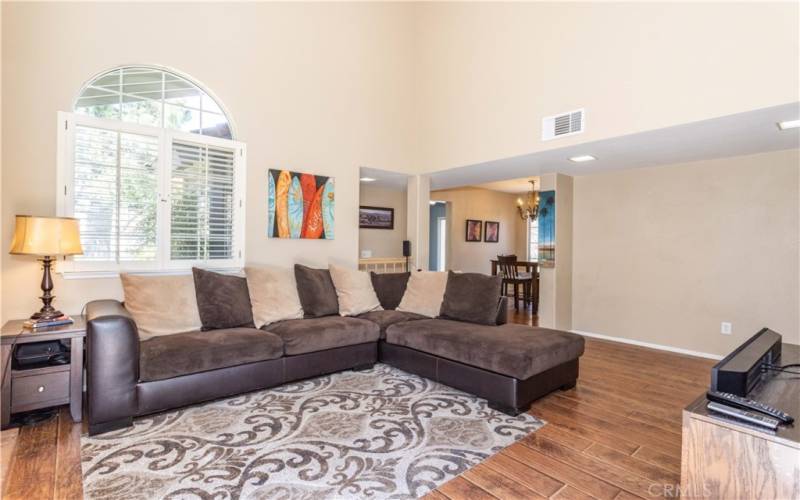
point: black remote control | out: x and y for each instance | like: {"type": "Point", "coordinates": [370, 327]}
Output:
{"type": "Point", "coordinates": [748, 404]}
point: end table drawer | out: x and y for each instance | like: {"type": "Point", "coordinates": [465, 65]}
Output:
{"type": "Point", "coordinates": [31, 392]}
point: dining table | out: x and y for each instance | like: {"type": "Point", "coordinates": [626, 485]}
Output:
{"type": "Point", "coordinates": [529, 266]}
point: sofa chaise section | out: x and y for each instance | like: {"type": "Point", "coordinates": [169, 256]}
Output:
{"type": "Point", "coordinates": [509, 365]}
{"type": "Point", "coordinates": [513, 350]}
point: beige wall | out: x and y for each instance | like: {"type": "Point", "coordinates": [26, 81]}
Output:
{"type": "Point", "coordinates": [482, 204]}
{"type": "Point", "coordinates": [321, 88]}
{"type": "Point", "coordinates": [2, 249]}
{"type": "Point", "coordinates": [384, 242]}
{"type": "Point", "coordinates": [493, 70]}
{"type": "Point", "coordinates": [665, 254]}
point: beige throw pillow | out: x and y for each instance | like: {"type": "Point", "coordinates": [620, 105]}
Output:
{"type": "Point", "coordinates": [354, 291]}
{"type": "Point", "coordinates": [273, 294]}
{"type": "Point", "coordinates": [161, 305]}
{"type": "Point", "coordinates": [424, 293]}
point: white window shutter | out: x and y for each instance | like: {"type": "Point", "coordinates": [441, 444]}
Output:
{"type": "Point", "coordinates": [114, 191]}
{"type": "Point", "coordinates": [202, 194]}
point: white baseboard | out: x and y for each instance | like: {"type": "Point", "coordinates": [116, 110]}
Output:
{"type": "Point", "coordinates": [648, 344]}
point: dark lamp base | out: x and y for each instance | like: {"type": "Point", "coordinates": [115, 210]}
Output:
{"type": "Point", "coordinates": [47, 312]}
{"type": "Point", "coordinates": [43, 315]}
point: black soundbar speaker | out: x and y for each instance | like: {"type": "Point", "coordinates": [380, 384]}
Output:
{"type": "Point", "coordinates": [740, 371]}
{"type": "Point", "coordinates": [406, 248]}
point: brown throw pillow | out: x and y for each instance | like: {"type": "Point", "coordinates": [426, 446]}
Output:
{"type": "Point", "coordinates": [316, 291]}
{"type": "Point", "coordinates": [223, 300]}
{"type": "Point", "coordinates": [390, 288]}
{"type": "Point", "coordinates": [471, 297]}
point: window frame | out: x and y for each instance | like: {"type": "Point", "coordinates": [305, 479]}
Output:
{"type": "Point", "coordinates": [163, 264]}
{"type": "Point", "coordinates": [163, 69]}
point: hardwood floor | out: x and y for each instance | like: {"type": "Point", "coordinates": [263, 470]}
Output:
{"type": "Point", "coordinates": [616, 435]}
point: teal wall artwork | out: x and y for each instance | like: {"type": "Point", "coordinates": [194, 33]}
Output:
{"type": "Point", "coordinates": [547, 228]}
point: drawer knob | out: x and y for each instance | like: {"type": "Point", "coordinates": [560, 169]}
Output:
{"type": "Point", "coordinates": [41, 388]}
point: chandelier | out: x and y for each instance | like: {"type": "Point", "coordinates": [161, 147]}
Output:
{"type": "Point", "coordinates": [529, 207]}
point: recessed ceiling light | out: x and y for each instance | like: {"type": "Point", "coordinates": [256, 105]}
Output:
{"type": "Point", "coordinates": [367, 179]}
{"type": "Point", "coordinates": [789, 124]}
{"type": "Point", "coordinates": [582, 158]}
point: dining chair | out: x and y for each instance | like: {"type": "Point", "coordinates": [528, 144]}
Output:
{"type": "Point", "coordinates": [511, 276]}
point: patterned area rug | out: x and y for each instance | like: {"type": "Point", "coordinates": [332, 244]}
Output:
{"type": "Point", "coordinates": [382, 433]}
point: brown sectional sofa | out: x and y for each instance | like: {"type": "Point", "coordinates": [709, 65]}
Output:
{"type": "Point", "coordinates": [509, 365]}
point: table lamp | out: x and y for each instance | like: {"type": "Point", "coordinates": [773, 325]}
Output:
{"type": "Point", "coordinates": [46, 237]}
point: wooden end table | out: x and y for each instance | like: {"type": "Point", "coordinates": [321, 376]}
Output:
{"type": "Point", "coordinates": [42, 387]}
{"type": "Point", "coordinates": [725, 458]}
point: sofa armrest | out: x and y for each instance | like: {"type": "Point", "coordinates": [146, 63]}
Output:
{"type": "Point", "coordinates": [502, 310]}
{"type": "Point", "coordinates": [112, 361]}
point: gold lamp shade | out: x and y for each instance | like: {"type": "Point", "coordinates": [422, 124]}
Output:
{"type": "Point", "coordinates": [46, 236]}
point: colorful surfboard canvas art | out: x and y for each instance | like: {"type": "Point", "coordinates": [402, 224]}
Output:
{"type": "Point", "coordinates": [271, 206]}
{"type": "Point", "coordinates": [300, 205]}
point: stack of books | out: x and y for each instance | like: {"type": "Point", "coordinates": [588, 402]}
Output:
{"type": "Point", "coordinates": [35, 324]}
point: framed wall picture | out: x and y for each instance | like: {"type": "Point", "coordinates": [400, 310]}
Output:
{"type": "Point", "coordinates": [299, 205]}
{"type": "Point", "coordinates": [491, 231]}
{"type": "Point", "coordinates": [375, 217]}
{"type": "Point", "coordinates": [474, 230]}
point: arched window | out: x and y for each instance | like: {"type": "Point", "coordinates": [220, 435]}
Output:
{"type": "Point", "coordinates": [152, 96]}
{"type": "Point", "coordinates": [149, 169]}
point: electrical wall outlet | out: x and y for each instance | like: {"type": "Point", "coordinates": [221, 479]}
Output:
{"type": "Point", "coordinates": [725, 328]}
{"type": "Point", "coordinates": [366, 254]}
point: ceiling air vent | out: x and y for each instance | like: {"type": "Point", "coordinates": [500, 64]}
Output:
{"type": "Point", "coordinates": [563, 125]}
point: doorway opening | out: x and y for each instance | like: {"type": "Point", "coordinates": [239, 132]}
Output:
{"type": "Point", "coordinates": [442, 246]}
{"type": "Point", "coordinates": [382, 220]}
{"type": "Point", "coordinates": [438, 238]}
